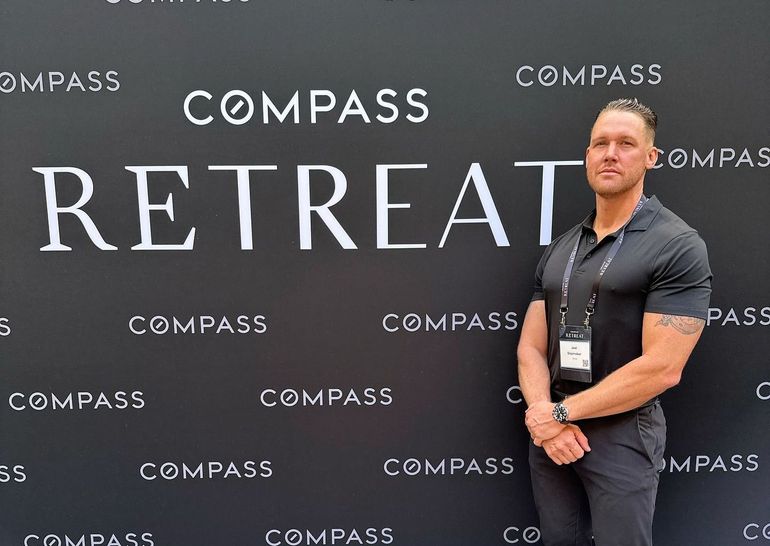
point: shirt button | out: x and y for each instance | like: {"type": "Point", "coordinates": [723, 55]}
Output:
{"type": "Point", "coordinates": [591, 240]}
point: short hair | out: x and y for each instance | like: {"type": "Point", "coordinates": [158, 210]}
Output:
{"type": "Point", "coordinates": [649, 117]}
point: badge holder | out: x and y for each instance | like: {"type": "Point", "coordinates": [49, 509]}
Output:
{"type": "Point", "coordinates": [575, 350]}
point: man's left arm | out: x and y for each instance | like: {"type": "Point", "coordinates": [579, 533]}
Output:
{"type": "Point", "coordinates": [667, 342]}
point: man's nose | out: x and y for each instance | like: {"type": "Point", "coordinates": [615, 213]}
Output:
{"type": "Point", "coordinates": [612, 152]}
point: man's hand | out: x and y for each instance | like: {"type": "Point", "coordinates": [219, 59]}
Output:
{"type": "Point", "coordinates": [540, 422]}
{"type": "Point", "coordinates": [568, 446]}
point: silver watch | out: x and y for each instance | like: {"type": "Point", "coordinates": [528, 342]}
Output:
{"type": "Point", "coordinates": [560, 413]}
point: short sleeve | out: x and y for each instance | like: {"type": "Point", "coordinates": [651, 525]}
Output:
{"type": "Point", "coordinates": [681, 278]}
{"type": "Point", "coordinates": [539, 293]}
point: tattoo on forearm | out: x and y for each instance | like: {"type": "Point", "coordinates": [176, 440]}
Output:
{"type": "Point", "coordinates": [685, 325]}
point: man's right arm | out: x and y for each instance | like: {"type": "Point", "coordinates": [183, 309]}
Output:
{"type": "Point", "coordinates": [535, 382]}
{"type": "Point", "coordinates": [534, 376]}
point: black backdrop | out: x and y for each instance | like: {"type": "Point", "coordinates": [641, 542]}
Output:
{"type": "Point", "coordinates": [296, 390]}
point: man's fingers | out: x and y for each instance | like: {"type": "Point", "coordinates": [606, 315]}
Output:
{"type": "Point", "coordinates": [555, 460]}
{"type": "Point", "coordinates": [582, 439]}
{"type": "Point", "coordinates": [555, 456]}
{"type": "Point", "coordinates": [559, 454]}
{"type": "Point", "coordinates": [576, 451]}
{"type": "Point", "coordinates": [531, 425]}
{"type": "Point", "coordinates": [530, 421]}
{"type": "Point", "coordinates": [568, 454]}
{"type": "Point", "coordinates": [564, 458]}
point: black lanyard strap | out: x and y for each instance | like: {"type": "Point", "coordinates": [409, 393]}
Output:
{"type": "Point", "coordinates": [591, 305]}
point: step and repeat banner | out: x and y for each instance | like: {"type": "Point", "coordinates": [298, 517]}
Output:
{"type": "Point", "coordinates": [264, 263]}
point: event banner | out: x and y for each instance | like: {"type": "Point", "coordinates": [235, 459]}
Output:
{"type": "Point", "coordinates": [264, 263]}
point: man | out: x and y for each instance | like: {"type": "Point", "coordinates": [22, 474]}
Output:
{"type": "Point", "coordinates": [619, 304]}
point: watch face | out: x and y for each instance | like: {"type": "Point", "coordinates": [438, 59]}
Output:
{"type": "Point", "coordinates": [560, 413]}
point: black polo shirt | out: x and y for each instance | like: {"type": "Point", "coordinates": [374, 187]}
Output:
{"type": "Point", "coordinates": [661, 267]}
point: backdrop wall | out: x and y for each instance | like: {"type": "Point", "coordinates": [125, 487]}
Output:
{"type": "Point", "coordinates": [264, 263]}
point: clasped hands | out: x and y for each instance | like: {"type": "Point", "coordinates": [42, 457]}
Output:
{"type": "Point", "coordinates": [563, 444]}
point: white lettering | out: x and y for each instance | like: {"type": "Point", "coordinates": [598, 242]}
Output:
{"type": "Point", "coordinates": [315, 107]}
{"type": "Point", "coordinates": [188, 114]}
{"type": "Point", "coordinates": [546, 200]}
{"type": "Point", "coordinates": [490, 217]}
{"type": "Point", "coordinates": [763, 390]}
{"type": "Point", "coordinates": [53, 209]}
{"type": "Point", "coordinates": [305, 209]}
{"type": "Point", "coordinates": [244, 197]}
{"type": "Point", "coordinates": [383, 206]}
{"type": "Point", "coordinates": [268, 106]}
{"type": "Point", "coordinates": [145, 207]}
{"type": "Point", "coordinates": [230, 113]}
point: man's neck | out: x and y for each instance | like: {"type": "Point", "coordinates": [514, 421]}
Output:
{"type": "Point", "coordinates": [613, 212]}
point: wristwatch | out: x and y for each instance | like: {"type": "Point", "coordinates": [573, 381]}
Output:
{"type": "Point", "coordinates": [560, 413]}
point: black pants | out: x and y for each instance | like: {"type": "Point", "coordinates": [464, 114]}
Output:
{"type": "Point", "coordinates": [609, 494]}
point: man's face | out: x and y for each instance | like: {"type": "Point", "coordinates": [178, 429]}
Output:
{"type": "Point", "coordinates": [619, 153]}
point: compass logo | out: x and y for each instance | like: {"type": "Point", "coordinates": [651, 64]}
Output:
{"type": "Point", "coordinates": [307, 537]}
{"type": "Point", "coordinates": [54, 81]}
{"type": "Point", "coordinates": [90, 539]}
{"type": "Point", "coordinates": [453, 466]}
{"type": "Point", "coordinates": [588, 75]}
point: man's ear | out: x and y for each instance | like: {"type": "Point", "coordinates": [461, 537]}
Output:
{"type": "Point", "coordinates": [652, 157]}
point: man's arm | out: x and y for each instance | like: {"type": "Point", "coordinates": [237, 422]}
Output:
{"type": "Point", "coordinates": [534, 376]}
{"type": "Point", "coordinates": [567, 444]}
{"type": "Point", "coordinates": [667, 342]}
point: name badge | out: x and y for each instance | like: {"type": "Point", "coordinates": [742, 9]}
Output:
{"type": "Point", "coordinates": [575, 353]}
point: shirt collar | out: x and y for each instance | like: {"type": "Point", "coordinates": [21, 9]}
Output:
{"type": "Point", "coordinates": [640, 222]}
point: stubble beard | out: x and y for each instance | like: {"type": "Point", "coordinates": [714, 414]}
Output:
{"type": "Point", "coordinates": [626, 185]}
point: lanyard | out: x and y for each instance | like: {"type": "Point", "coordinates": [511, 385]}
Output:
{"type": "Point", "coordinates": [591, 305]}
